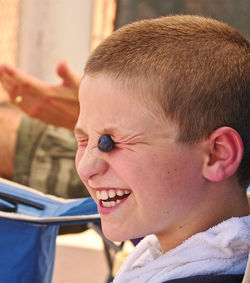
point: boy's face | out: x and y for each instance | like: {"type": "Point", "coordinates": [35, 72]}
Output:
{"type": "Point", "coordinates": [157, 180]}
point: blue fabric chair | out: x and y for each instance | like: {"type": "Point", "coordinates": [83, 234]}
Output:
{"type": "Point", "coordinates": [29, 222]}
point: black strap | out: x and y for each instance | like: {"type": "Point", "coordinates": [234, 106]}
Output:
{"type": "Point", "coordinates": [228, 278]}
{"type": "Point", "coordinates": [15, 200]}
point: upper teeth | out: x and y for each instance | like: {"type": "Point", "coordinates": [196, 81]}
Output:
{"type": "Point", "coordinates": [105, 194]}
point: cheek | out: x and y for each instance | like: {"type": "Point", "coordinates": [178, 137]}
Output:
{"type": "Point", "coordinates": [145, 172]}
{"type": "Point", "coordinates": [131, 168]}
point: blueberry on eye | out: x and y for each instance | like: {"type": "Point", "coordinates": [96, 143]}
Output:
{"type": "Point", "coordinates": [105, 143]}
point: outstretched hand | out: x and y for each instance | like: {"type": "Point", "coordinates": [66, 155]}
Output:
{"type": "Point", "coordinates": [55, 104]}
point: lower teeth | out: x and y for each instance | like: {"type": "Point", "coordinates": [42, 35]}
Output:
{"type": "Point", "coordinates": [110, 203]}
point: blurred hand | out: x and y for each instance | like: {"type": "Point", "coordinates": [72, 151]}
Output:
{"type": "Point", "coordinates": [55, 104]}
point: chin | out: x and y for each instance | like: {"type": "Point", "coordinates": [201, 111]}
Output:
{"type": "Point", "coordinates": [118, 235]}
{"type": "Point", "coordinates": [115, 235]}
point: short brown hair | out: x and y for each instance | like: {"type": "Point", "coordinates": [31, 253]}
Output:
{"type": "Point", "coordinates": [196, 68]}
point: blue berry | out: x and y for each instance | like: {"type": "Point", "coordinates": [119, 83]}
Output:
{"type": "Point", "coordinates": [105, 143]}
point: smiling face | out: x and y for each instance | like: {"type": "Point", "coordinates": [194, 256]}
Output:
{"type": "Point", "coordinates": [148, 183]}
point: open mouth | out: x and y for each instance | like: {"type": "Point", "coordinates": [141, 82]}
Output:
{"type": "Point", "coordinates": [110, 198]}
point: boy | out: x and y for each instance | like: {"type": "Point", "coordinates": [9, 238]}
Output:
{"type": "Point", "coordinates": [163, 147]}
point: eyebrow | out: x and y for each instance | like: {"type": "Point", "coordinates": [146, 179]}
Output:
{"type": "Point", "coordinates": [79, 131]}
{"type": "Point", "coordinates": [106, 130]}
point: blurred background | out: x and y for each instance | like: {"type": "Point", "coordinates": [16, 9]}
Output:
{"type": "Point", "coordinates": [36, 34]}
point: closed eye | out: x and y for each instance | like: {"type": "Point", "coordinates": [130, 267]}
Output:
{"type": "Point", "coordinates": [82, 142]}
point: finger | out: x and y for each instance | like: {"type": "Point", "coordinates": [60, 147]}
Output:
{"type": "Point", "coordinates": [63, 71]}
{"type": "Point", "coordinates": [3, 73]}
{"type": "Point", "coordinates": [68, 76]}
{"type": "Point", "coordinates": [9, 71]}
{"type": "Point", "coordinates": [1, 70]}
{"type": "Point", "coordinates": [9, 85]}
{"type": "Point", "coordinates": [19, 77]}
{"type": "Point", "coordinates": [12, 80]}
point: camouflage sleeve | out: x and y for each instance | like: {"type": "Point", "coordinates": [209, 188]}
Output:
{"type": "Point", "coordinates": [45, 159]}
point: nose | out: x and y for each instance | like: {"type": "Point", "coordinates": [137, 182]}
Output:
{"type": "Point", "coordinates": [90, 164]}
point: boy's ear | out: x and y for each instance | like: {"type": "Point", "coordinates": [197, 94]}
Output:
{"type": "Point", "coordinates": [224, 155]}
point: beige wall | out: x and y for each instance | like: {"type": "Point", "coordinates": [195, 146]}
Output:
{"type": "Point", "coordinates": [52, 30]}
{"type": "Point", "coordinates": [8, 34]}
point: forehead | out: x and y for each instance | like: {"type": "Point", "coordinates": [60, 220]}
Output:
{"type": "Point", "coordinates": [103, 100]}
{"type": "Point", "coordinates": [108, 102]}
{"type": "Point", "coordinates": [134, 91]}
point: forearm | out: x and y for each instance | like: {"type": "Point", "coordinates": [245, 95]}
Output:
{"type": "Point", "coordinates": [10, 118]}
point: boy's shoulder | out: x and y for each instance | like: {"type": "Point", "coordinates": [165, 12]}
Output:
{"type": "Point", "coordinates": [226, 278]}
